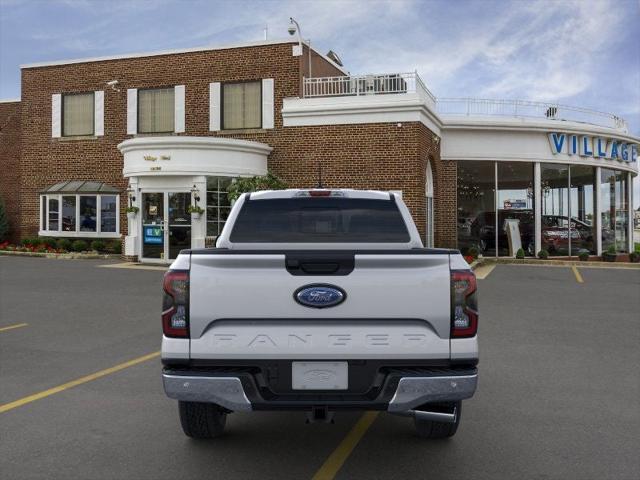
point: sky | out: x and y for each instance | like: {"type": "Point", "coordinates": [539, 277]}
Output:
{"type": "Point", "coordinates": [584, 53]}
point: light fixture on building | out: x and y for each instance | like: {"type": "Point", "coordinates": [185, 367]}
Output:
{"type": "Point", "coordinates": [195, 194]}
{"type": "Point", "coordinates": [131, 194]}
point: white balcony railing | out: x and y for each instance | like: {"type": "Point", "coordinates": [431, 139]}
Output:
{"type": "Point", "coordinates": [402, 83]}
{"type": "Point", "coordinates": [525, 108]}
{"type": "Point", "coordinates": [357, 85]}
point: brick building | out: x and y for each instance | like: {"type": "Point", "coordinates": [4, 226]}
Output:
{"type": "Point", "coordinates": [165, 130]}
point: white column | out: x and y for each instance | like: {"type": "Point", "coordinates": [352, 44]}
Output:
{"type": "Point", "coordinates": [537, 207]}
{"type": "Point", "coordinates": [598, 213]}
{"type": "Point", "coordinates": [132, 246]}
{"type": "Point", "coordinates": [199, 226]}
{"type": "Point", "coordinates": [630, 211]}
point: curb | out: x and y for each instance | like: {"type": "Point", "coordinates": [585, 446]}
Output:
{"type": "Point", "coordinates": [63, 256]}
{"type": "Point", "coordinates": [555, 263]}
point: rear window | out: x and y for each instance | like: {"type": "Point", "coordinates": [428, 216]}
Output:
{"type": "Point", "coordinates": [327, 220]}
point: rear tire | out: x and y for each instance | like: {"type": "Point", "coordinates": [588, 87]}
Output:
{"type": "Point", "coordinates": [202, 420]}
{"type": "Point", "coordinates": [433, 430]}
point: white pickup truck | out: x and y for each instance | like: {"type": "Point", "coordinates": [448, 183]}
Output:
{"type": "Point", "coordinates": [320, 300]}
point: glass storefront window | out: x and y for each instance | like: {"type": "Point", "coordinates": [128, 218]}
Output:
{"type": "Point", "coordinates": [581, 203]}
{"type": "Point", "coordinates": [69, 213]}
{"type": "Point", "coordinates": [515, 208]}
{"type": "Point", "coordinates": [614, 209]}
{"type": "Point", "coordinates": [555, 208]}
{"type": "Point", "coordinates": [218, 205]}
{"type": "Point", "coordinates": [88, 213]}
{"type": "Point", "coordinates": [476, 207]}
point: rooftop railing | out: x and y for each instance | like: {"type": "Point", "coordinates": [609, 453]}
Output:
{"type": "Point", "coordinates": [402, 83]}
{"type": "Point", "coordinates": [357, 85]}
{"type": "Point", "coordinates": [528, 109]}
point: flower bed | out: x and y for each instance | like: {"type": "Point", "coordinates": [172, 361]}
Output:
{"type": "Point", "coordinates": [47, 245]}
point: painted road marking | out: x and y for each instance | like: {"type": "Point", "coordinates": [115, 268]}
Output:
{"type": "Point", "coordinates": [135, 266]}
{"type": "Point", "coordinates": [74, 383]}
{"type": "Point", "coordinates": [332, 465]}
{"type": "Point", "coordinates": [577, 274]}
{"type": "Point", "coordinates": [483, 271]}
{"type": "Point", "coordinates": [11, 327]}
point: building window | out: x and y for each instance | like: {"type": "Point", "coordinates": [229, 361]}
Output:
{"type": "Point", "coordinates": [241, 105]}
{"type": "Point", "coordinates": [614, 209]}
{"type": "Point", "coordinates": [218, 205]}
{"type": "Point", "coordinates": [69, 213]}
{"type": "Point", "coordinates": [477, 207]}
{"type": "Point", "coordinates": [515, 208]}
{"type": "Point", "coordinates": [156, 110]}
{"type": "Point", "coordinates": [78, 114]}
{"type": "Point", "coordinates": [80, 215]}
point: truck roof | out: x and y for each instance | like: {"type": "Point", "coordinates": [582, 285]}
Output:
{"type": "Point", "coordinates": [333, 192]}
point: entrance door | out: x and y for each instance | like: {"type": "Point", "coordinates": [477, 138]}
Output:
{"type": "Point", "coordinates": [166, 225]}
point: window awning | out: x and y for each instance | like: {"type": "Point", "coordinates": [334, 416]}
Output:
{"type": "Point", "coordinates": [81, 186]}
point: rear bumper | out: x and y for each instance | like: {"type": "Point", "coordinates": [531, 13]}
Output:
{"type": "Point", "coordinates": [400, 390]}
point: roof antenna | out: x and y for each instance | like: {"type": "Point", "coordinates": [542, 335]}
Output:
{"type": "Point", "coordinates": [320, 175]}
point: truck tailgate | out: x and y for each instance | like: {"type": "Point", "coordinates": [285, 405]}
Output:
{"type": "Point", "coordinates": [242, 306]}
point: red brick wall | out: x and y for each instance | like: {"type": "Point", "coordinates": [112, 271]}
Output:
{"type": "Point", "coordinates": [10, 164]}
{"type": "Point", "coordinates": [374, 156]}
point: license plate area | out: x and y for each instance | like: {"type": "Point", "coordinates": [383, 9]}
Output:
{"type": "Point", "coordinates": [319, 375]}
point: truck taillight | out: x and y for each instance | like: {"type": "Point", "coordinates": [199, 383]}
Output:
{"type": "Point", "coordinates": [464, 304]}
{"type": "Point", "coordinates": [175, 304]}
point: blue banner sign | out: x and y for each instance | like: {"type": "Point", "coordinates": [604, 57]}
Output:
{"type": "Point", "coordinates": [153, 235]}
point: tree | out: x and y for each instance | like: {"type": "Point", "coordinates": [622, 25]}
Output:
{"type": "Point", "coordinates": [253, 184]}
{"type": "Point", "coordinates": [4, 222]}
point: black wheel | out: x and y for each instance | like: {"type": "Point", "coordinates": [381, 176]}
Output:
{"type": "Point", "coordinates": [202, 420]}
{"type": "Point", "coordinates": [432, 429]}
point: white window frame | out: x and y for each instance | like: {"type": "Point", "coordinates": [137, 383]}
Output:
{"type": "Point", "coordinates": [78, 233]}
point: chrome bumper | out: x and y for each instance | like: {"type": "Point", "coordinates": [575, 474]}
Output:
{"type": "Point", "coordinates": [225, 391]}
{"type": "Point", "coordinates": [229, 393]}
{"type": "Point", "coordinates": [415, 391]}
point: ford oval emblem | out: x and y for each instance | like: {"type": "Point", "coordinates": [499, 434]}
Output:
{"type": "Point", "coordinates": [319, 296]}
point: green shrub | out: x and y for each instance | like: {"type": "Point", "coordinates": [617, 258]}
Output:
{"type": "Point", "coordinates": [473, 252]}
{"type": "Point", "coordinates": [583, 255]}
{"type": "Point", "coordinates": [253, 184]}
{"type": "Point", "coordinates": [47, 242]}
{"type": "Point", "coordinates": [97, 245]}
{"type": "Point", "coordinates": [28, 241]}
{"type": "Point", "coordinates": [114, 247]}
{"type": "Point", "coordinates": [611, 250]}
{"type": "Point", "coordinates": [79, 246]}
{"type": "Point", "coordinates": [634, 257]}
{"type": "Point", "coordinates": [520, 253]}
{"type": "Point", "coordinates": [64, 244]}
{"type": "Point", "coordinates": [543, 254]}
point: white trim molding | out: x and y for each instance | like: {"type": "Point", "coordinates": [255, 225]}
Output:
{"type": "Point", "coordinates": [391, 108]}
{"type": "Point", "coordinates": [182, 155]}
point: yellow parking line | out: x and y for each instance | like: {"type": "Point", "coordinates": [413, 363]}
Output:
{"type": "Point", "coordinates": [577, 274]}
{"type": "Point", "coordinates": [330, 467]}
{"type": "Point", "coordinates": [134, 266]}
{"type": "Point", "coordinates": [483, 271]}
{"type": "Point", "coordinates": [74, 383]}
{"type": "Point", "coordinates": [11, 327]}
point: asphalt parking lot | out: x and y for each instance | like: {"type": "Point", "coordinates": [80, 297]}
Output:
{"type": "Point", "coordinates": [558, 394]}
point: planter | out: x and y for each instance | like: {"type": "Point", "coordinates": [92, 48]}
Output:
{"type": "Point", "coordinates": [131, 216]}
{"type": "Point", "coordinates": [195, 216]}
{"type": "Point", "coordinates": [609, 257]}
{"type": "Point", "coordinates": [634, 257]}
